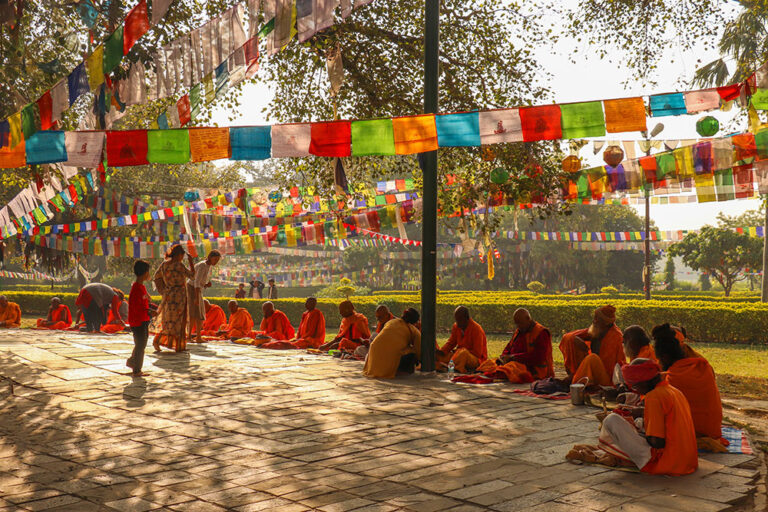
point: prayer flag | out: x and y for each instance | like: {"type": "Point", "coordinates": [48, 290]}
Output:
{"type": "Point", "coordinates": [745, 148]}
{"type": "Point", "coordinates": [760, 99]}
{"type": "Point", "coordinates": [415, 134]}
{"type": "Point", "coordinates": [16, 134]}
{"type": "Point", "coordinates": [729, 92]}
{"type": "Point", "coordinates": [162, 122]}
{"type": "Point", "coordinates": [702, 158]}
{"type": "Point", "coordinates": [251, 142]}
{"type": "Point", "coordinates": [44, 107]}
{"type": "Point", "coordinates": [761, 144]}
{"type": "Point", "coordinates": [541, 123]}
{"type": "Point", "coordinates": [667, 104]}
{"type": "Point", "coordinates": [208, 144]}
{"type": "Point", "coordinates": [724, 189]}
{"type": "Point", "coordinates": [126, 148]}
{"type": "Point", "coordinates": [498, 126]}
{"type": "Point", "coordinates": [705, 188]}
{"type": "Point", "coordinates": [222, 79]}
{"type": "Point", "coordinates": [12, 157]}
{"type": "Point", "coordinates": [5, 133]}
{"type": "Point", "coordinates": [94, 64]}
{"type": "Point", "coordinates": [46, 147]}
{"type": "Point", "coordinates": [742, 181]}
{"type": "Point", "coordinates": [136, 25]}
{"type": "Point", "coordinates": [722, 153]}
{"type": "Point", "coordinates": [59, 99]}
{"type": "Point", "coordinates": [374, 137]}
{"type": "Point", "coordinates": [184, 110]}
{"type": "Point", "coordinates": [582, 120]}
{"type": "Point", "coordinates": [113, 50]}
{"type": "Point", "coordinates": [684, 161]}
{"type": "Point", "coordinates": [194, 101]}
{"type": "Point", "coordinates": [30, 120]}
{"type": "Point", "coordinates": [159, 8]}
{"type": "Point", "coordinates": [332, 138]}
{"type": "Point", "coordinates": [77, 83]}
{"type": "Point", "coordinates": [168, 146]}
{"type": "Point", "coordinates": [625, 115]}
{"type": "Point", "coordinates": [699, 101]}
{"type": "Point", "coordinates": [665, 164]}
{"type": "Point", "coordinates": [456, 130]}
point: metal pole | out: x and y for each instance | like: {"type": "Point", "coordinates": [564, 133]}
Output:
{"type": "Point", "coordinates": [647, 266]}
{"type": "Point", "coordinates": [764, 294]}
{"type": "Point", "coordinates": [429, 199]}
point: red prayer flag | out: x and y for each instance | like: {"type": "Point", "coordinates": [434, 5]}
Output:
{"type": "Point", "coordinates": [541, 123]}
{"type": "Point", "coordinates": [127, 148]}
{"type": "Point", "coordinates": [648, 163]}
{"type": "Point", "coordinates": [332, 138]}
{"type": "Point", "coordinates": [45, 105]}
{"type": "Point", "coordinates": [136, 25]}
{"type": "Point", "coordinates": [185, 110]}
{"type": "Point", "coordinates": [742, 180]}
{"type": "Point", "coordinates": [729, 92]}
{"type": "Point", "coordinates": [744, 145]}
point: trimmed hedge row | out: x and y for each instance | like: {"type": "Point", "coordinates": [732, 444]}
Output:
{"type": "Point", "coordinates": [705, 320]}
{"type": "Point", "coordinates": [515, 294]}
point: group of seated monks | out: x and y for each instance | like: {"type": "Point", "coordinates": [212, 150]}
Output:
{"type": "Point", "coordinates": [60, 318]}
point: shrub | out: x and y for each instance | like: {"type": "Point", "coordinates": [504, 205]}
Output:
{"type": "Point", "coordinates": [343, 288]}
{"type": "Point", "coordinates": [611, 290]}
{"type": "Point", "coordinates": [536, 286]}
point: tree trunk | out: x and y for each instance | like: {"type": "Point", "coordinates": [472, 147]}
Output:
{"type": "Point", "coordinates": [764, 294]}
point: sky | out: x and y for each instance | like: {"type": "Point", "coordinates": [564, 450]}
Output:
{"type": "Point", "coordinates": [586, 79]}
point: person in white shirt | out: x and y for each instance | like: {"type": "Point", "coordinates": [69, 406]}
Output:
{"type": "Point", "coordinates": [195, 285]}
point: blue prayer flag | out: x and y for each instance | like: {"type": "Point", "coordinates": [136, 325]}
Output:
{"type": "Point", "coordinates": [458, 129]}
{"type": "Point", "coordinates": [46, 147]}
{"type": "Point", "coordinates": [78, 83]}
{"type": "Point", "coordinates": [668, 105]}
{"type": "Point", "coordinates": [251, 142]}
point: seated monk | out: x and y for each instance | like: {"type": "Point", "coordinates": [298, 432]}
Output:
{"type": "Point", "coordinates": [667, 445]}
{"type": "Point", "coordinates": [353, 331]}
{"type": "Point", "coordinates": [115, 322]}
{"type": "Point", "coordinates": [467, 346]}
{"type": "Point", "coordinates": [10, 313]}
{"type": "Point", "coordinates": [274, 326]}
{"type": "Point", "coordinates": [591, 354]}
{"type": "Point", "coordinates": [311, 330]}
{"type": "Point", "coordinates": [396, 347]}
{"type": "Point", "coordinates": [383, 315]}
{"type": "Point", "coordinates": [59, 317]}
{"type": "Point", "coordinates": [531, 345]}
{"type": "Point", "coordinates": [215, 319]}
{"type": "Point", "coordinates": [240, 322]}
{"type": "Point", "coordinates": [682, 337]}
{"type": "Point", "coordinates": [637, 344]}
{"type": "Point", "coordinates": [695, 378]}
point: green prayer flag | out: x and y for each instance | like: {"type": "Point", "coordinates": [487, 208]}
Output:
{"type": "Point", "coordinates": [582, 120]}
{"type": "Point", "coordinates": [266, 29]}
{"type": "Point", "coordinates": [760, 99]}
{"type": "Point", "coordinates": [209, 90]}
{"type": "Point", "coordinates": [582, 185]}
{"type": "Point", "coordinates": [168, 146]}
{"type": "Point", "coordinates": [194, 101]}
{"type": "Point", "coordinates": [761, 141]}
{"type": "Point", "coordinates": [724, 185]}
{"type": "Point", "coordinates": [665, 164]}
{"type": "Point", "coordinates": [30, 120]}
{"type": "Point", "coordinates": [375, 137]}
{"type": "Point", "coordinates": [113, 50]}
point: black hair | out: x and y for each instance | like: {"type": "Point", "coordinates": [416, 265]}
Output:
{"type": "Point", "coordinates": [666, 344]}
{"type": "Point", "coordinates": [140, 267]}
{"type": "Point", "coordinates": [637, 336]}
{"type": "Point", "coordinates": [214, 253]}
{"type": "Point", "coordinates": [175, 251]}
{"type": "Point", "coordinates": [411, 316]}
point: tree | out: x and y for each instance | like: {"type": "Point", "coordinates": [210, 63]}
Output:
{"type": "Point", "coordinates": [720, 252]}
{"type": "Point", "coordinates": [704, 282]}
{"type": "Point", "coordinates": [669, 272]}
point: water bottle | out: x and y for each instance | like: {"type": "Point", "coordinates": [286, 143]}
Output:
{"type": "Point", "coordinates": [451, 370]}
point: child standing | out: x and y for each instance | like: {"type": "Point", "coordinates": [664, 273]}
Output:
{"type": "Point", "coordinates": [138, 317]}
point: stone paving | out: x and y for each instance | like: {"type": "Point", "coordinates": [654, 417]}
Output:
{"type": "Point", "coordinates": [229, 427]}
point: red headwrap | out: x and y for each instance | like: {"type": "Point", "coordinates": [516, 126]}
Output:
{"type": "Point", "coordinates": [607, 314]}
{"type": "Point", "coordinates": [642, 372]}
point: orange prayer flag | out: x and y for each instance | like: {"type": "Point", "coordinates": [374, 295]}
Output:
{"type": "Point", "coordinates": [207, 144]}
{"type": "Point", "coordinates": [625, 115]}
{"type": "Point", "coordinates": [415, 134]}
{"type": "Point", "coordinates": [11, 158]}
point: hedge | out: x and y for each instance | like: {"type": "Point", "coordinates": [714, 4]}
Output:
{"type": "Point", "coordinates": [708, 321]}
{"type": "Point", "coordinates": [516, 294]}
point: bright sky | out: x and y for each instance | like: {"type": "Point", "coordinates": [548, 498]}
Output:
{"type": "Point", "coordinates": [587, 79]}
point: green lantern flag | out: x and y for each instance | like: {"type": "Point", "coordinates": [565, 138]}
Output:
{"type": "Point", "coordinates": [582, 120]}
{"type": "Point", "coordinates": [168, 146]}
{"type": "Point", "coordinates": [375, 137]}
{"type": "Point", "coordinates": [707, 126]}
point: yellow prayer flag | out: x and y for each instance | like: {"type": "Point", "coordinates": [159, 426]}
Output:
{"type": "Point", "coordinates": [17, 135]}
{"type": "Point", "coordinates": [94, 66]}
{"type": "Point", "coordinates": [208, 144]}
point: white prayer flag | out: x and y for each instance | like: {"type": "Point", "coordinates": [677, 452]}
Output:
{"type": "Point", "coordinates": [59, 99]}
{"type": "Point", "coordinates": [500, 126]}
{"type": "Point", "coordinates": [159, 8]}
{"type": "Point", "coordinates": [291, 140]}
{"type": "Point", "coordinates": [84, 149]}
{"type": "Point", "coordinates": [699, 101]}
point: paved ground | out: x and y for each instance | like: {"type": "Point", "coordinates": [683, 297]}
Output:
{"type": "Point", "coordinates": [233, 427]}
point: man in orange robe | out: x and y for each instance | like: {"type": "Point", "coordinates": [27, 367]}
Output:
{"type": "Point", "coordinates": [240, 323]}
{"type": "Point", "coordinates": [668, 444]}
{"type": "Point", "coordinates": [591, 354]}
{"type": "Point", "coordinates": [10, 313]}
{"type": "Point", "coordinates": [682, 337]}
{"type": "Point", "coordinates": [59, 317]}
{"type": "Point", "coordinates": [353, 331]}
{"type": "Point", "coordinates": [383, 315]}
{"type": "Point", "coordinates": [115, 323]}
{"type": "Point", "coordinates": [637, 344]}
{"type": "Point", "coordinates": [695, 378]}
{"type": "Point", "coordinates": [274, 326]}
{"type": "Point", "coordinates": [311, 330]}
{"type": "Point", "coordinates": [467, 347]}
{"type": "Point", "coordinates": [215, 319]}
{"type": "Point", "coordinates": [531, 345]}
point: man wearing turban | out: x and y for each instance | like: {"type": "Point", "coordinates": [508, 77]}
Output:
{"type": "Point", "coordinates": [664, 441]}
{"type": "Point", "coordinates": [591, 354]}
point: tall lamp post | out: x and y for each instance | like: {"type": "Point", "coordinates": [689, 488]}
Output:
{"type": "Point", "coordinates": [429, 196]}
{"type": "Point", "coordinates": [647, 266]}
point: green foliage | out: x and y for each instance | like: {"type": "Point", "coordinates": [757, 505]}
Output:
{"type": "Point", "coordinates": [610, 290]}
{"type": "Point", "coordinates": [669, 272]}
{"type": "Point", "coordinates": [721, 252]}
{"type": "Point", "coordinates": [343, 288]}
{"type": "Point", "coordinates": [536, 286]}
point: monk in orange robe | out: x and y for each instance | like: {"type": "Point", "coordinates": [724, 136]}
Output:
{"type": "Point", "coordinates": [695, 378]}
{"type": "Point", "coordinates": [383, 315]}
{"type": "Point", "coordinates": [115, 323]}
{"type": "Point", "coordinates": [10, 313]}
{"type": "Point", "coordinates": [591, 354]}
{"type": "Point", "coordinates": [311, 330]}
{"type": "Point", "coordinates": [215, 319]}
{"type": "Point", "coordinates": [637, 344]}
{"type": "Point", "coordinates": [353, 331]}
{"type": "Point", "coordinates": [274, 326]}
{"type": "Point", "coordinates": [682, 337]}
{"type": "Point", "coordinates": [531, 345]}
{"type": "Point", "coordinates": [467, 347]}
{"type": "Point", "coordinates": [59, 317]}
{"type": "Point", "coordinates": [240, 323]}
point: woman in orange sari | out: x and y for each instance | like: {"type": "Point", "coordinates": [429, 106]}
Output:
{"type": "Point", "coordinates": [170, 280]}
